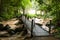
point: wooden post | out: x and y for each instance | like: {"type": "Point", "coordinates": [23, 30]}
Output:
{"type": "Point", "coordinates": [50, 27]}
{"type": "Point", "coordinates": [32, 25]}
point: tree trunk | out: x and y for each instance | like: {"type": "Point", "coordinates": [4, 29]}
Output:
{"type": "Point", "coordinates": [23, 11]}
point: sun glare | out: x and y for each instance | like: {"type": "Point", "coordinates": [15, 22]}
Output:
{"type": "Point", "coordinates": [31, 11]}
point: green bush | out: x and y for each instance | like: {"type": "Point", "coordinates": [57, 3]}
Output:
{"type": "Point", "coordinates": [30, 15]}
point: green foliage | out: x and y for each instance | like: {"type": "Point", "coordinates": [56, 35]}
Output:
{"type": "Point", "coordinates": [52, 6]}
{"type": "Point", "coordinates": [43, 7]}
{"type": "Point", "coordinates": [9, 8]}
{"type": "Point", "coordinates": [40, 1]}
{"type": "Point", "coordinates": [25, 3]}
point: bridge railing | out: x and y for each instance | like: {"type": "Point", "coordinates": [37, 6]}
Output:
{"type": "Point", "coordinates": [29, 24]}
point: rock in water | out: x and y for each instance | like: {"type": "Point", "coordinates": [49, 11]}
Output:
{"type": "Point", "coordinates": [18, 29]}
{"type": "Point", "coordinates": [7, 27]}
{"type": "Point", "coordinates": [1, 27]}
{"type": "Point", "coordinates": [11, 32]}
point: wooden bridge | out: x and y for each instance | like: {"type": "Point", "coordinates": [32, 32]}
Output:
{"type": "Point", "coordinates": [37, 30]}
